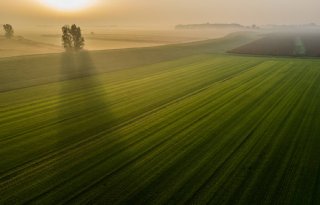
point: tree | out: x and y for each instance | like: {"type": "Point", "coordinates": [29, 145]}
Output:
{"type": "Point", "coordinates": [66, 38]}
{"type": "Point", "coordinates": [72, 38]}
{"type": "Point", "coordinates": [9, 31]}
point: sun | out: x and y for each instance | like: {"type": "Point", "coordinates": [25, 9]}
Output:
{"type": "Point", "coordinates": [68, 5]}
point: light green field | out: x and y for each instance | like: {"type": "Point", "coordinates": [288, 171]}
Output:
{"type": "Point", "coordinates": [180, 124]}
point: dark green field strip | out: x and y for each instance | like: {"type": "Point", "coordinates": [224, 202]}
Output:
{"type": "Point", "coordinates": [38, 132]}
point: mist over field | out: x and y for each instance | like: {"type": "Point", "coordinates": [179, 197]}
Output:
{"type": "Point", "coordinates": [142, 23]}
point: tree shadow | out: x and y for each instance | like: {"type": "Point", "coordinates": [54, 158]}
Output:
{"type": "Point", "coordinates": [83, 109]}
{"type": "Point", "coordinates": [84, 127]}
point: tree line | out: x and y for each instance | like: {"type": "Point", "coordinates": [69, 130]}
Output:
{"type": "Point", "coordinates": [72, 39]}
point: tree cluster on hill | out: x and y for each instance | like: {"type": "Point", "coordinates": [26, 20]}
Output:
{"type": "Point", "coordinates": [8, 31]}
{"type": "Point", "coordinates": [72, 38]}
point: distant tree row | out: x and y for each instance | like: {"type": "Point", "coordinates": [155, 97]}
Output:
{"type": "Point", "coordinates": [8, 31]}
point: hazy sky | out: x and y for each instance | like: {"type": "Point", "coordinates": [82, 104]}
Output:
{"type": "Point", "coordinates": [164, 12]}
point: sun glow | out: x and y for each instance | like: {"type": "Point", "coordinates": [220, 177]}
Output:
{"type": "Point", "coordinates": [68, 5]}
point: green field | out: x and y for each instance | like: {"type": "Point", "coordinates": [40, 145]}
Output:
{"type": "Point", "coordinates": [181, 124]}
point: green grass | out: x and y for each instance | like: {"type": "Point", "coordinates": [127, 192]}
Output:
{"type": "Point", "coordinates": [198, 128]}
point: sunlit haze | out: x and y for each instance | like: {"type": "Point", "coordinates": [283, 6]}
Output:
{"type": "Point", "coordinates": [69, 5]}
{"type": "Point", "coordinates": [159, 13]}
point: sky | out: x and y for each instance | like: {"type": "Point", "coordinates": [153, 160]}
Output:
{"type": "Point", "coordinates": [162, 12]}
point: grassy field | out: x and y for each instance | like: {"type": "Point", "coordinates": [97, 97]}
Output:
{"type": "Point", "coordinates": [180, 124]}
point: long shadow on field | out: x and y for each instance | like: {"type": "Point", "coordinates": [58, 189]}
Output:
{"type": "Point", "coordinates": [83, 109]}
{"type": "Point", "coordinates": [84, 127]}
